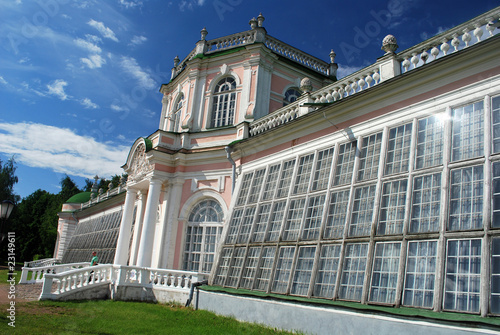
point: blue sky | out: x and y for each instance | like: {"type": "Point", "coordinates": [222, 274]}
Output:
{"type": "Point", "coordinates": [79, 80]}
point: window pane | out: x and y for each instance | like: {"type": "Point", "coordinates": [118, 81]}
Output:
{"type": "Point", "coordinates": [283, 269]}
{"type": "Point", "coordinates": [261, 223]}
{"type": "Point", "coordinates": [362, 211]}
{"type": "Point", "coordinates": [252, 260]}
{"type": "Point", "coordinates": [392, 208]}
{"type": "Point", "coordinates": [353, 272]}
{"type": "Point", "coordinates": [463, 266]}
{"type": "Point", "coordinates": [271, 181]}
{"type": "Point", "coordinates": [246, 224]}
{"type": "Point", "coordinates": [495, 113]}
{"type": "Point", "coordinates": [495, 275]}
{"type": "Point", "coordinates": [314, 215]}
{"type": "Point", "coordinates": [420, 274]}
{"type": "Point", "coordinates": [294, 219]}
{"type": "Point", "coordinates": [466, 198]}
{"type": "Point", "coordinates": [398, 149]}
{"type": "Point", "coordinates": [369, 157]}
{"type": "Point", "coordinates": [224, 102]}
{"type": "Point", "coordinates": [322, 171]}
{"type": "Point", "coordinates": [426, 203]}
{"type": "Point", "coordinates": [276, 221]}
{"type": "Point", "coordinates": [285, 179]}
{"type": "Point", "coordinates": [244, 189]}
{"type": "Point", "coordinates": [337, 214]}
{"type": "Point", "coordinates": [385, 272]}
{"type": "Point", "coordinates": [345, 163]}
{"type": "Point", "coordinates": [327, 271]}
{"type": "Point", "coordinates": [265, 268]}
{"type": "Point", "coordinates": [256, 186]}
{"type": "Point", "coordinates": [467, 132]}
{"type": "Point", "coordinates": [235, 269]}
{"type": "Point", "coordinates": [303, 174]}
{"type": "Point", "coordinates": [429, 142]}
{"type": "Point", "coordinates": [223, 269]}
{"type": "Point", "coordinates": [495, 222]}
{"type": "Point", "coordinates": [303, 271]}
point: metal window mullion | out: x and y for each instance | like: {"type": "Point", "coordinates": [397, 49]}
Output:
{"type": "Point", "coordinates": [314, 270]}
{"type": "Point", "coordinates": [273, 268]}
{"type": "Point", "coordinates": [339, 270]}
{"type": "Point", "coordinates": [313, 170]}
{"type": "Point", "coordinates": [354, 178]}
{"type": "Point", "coordinates": [243, 263]}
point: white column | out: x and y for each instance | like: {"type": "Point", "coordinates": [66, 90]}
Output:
{"type": "Point", "coordinates": [171, 218]}
{"type": "Point", "coordinates": [139, 217]}
{"type": "Point", "coordinates": [121, 254]}
{"type": "Point", "coordinates": [148, 228]}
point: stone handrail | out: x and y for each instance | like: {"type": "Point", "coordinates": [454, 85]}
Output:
{"type": "Point", "coordinates": [231, 41]}
{"type": "Point", "coordinates": [173, 279]}
{"type": "Point", "coordinates": [452, 40]}
{"type": "Point", "coordinates": [103, 196]}
{"type": "Point", "coordinates": [30, 275]}
{"type": "Point", "coordinates": [41, 262]}
{"type": "Point", "coordinates": [296, 55]}
{"type": "Point", "coordinates": [281, 116]}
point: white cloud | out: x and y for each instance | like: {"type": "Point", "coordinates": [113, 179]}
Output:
{"type": "Point", "coordinates": [93, 61]}
{"type": "Point", "coordinates": [87, 46]}
{"type": "Point", "coordinates": [130, 66]}
{"type": "Point", "coordinates": [105, 31]}
{"type": "Point", "coordinates": [60, 150]}
{"type": "Point", "coordinates": [130, 4]}
{"type": "Point", "coordinates": [190, 4]}
{"type": "Point", "coordinates": [57, 88]}
{"type": "Point", "coordinates": [3, 81]}
{"type": "Point", "coordinates": [138, 40]}
{"type": "Point", "coordinates": [119, 108]}
{"type": "Point", "coordinates": [87, 103]}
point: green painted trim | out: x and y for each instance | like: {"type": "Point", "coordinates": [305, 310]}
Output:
{"type": "Point", "coordinates": [148, 143]}
{"type": "Point", "coordinates": [79, 198]}
{"type": "Point", "coordinates": [219, 53]}
{"type": "Point", "coordinates": [470, 320]}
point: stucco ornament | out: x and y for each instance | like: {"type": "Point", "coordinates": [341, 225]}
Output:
{"type": "Point", "coordinates": [389, 44]}
{"type": "Point", "coordinates": [306, 85]}
{"type": "Point", "coordinates": [140, 165]}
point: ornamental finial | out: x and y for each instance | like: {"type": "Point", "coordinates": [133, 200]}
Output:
{"type": "Point", "coordinates": [204, 33]}
{"type": "Point", "coordinates": [253, 23]}
{"type": "Point", "coordinates": [260, 19]}
{"type": "Point", "coordinates": [389, 44]}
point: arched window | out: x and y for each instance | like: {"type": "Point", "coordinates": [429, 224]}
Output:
{"type": "Point", "coordinates": [291, 95]}
{"type": "Point", "coordinates": [224, 102]}
{"type": "Point", "coordinates": [175, 116]}
{"type": "Point", "coordinates": [203, 233]}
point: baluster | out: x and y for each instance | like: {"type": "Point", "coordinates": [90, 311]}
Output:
{"type": "Point", "coordinates": [445, 47]}
{"type": "Point", "coordinates": [490, 27]}
{"type": "Point", "coordinates": [179, 281]}
{"type": "Point", "coordinates": [329, 97]}
{"type": "Point", "coordinates": [414, 60]}
{"type": "Point", "coordinates": [478, 32]}
{"type": "Point", "coordinates": [323, 98]}
{"type": "Point", "coordinates": [466, 37]}
{"type": "Point", "coordinates": [424, 56]}
{"type": "Point", "coordinates": [58, 287]}
{"type": "Point", "coordinates": [354, 85]}
{"type": "Point", "coordinates": [361, 84]}
{"type": "Point", "coordinates": [406, 64]}
{"type": "Point", "coordinates": [73, 282]}
{"type": "Point", "coordinates": [434, 52]}
{"type": "Point", "coordinates": [368, 80]}
{"type": "Point", "coordinates": [455, 42]}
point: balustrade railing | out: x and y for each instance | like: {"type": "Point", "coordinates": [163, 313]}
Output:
{"type": "Point", "coordinates": [103, 196]}
{"type": "Point", "coordinates": [30, 275]}
{"type": "Point", "coordinates": [41, 262]}
{"type": "Point", "coordinates": [281, 116]}
{"type": "Point", "coordinates": [231, 41]}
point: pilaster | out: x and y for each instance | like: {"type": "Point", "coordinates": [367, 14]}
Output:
{"type": "Point", "coordinates": [121, 254]}
{"type": "Point", "coordinates": [139, 217]}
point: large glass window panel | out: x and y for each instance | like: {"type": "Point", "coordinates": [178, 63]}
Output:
{"type": "Point", "coordinates": [463, 275]}
{"type": "Point", "coordinates": [430, 142]}
{"type": "Point", "coordinates": [192, 251]}
{"type": "Point", "coordinates": [256, 186]}
{"type": "Point", "coordinates": [261, 222]}
{"type": "Point", "coordinates": [225, 260]}
{"type": "Point", "coordinates": [392, 207]}
{"type": "Point", "coordinates": [283, 269]}
{"type": "Point", "coordinates": [252, 260]}
{"type": "Point", "coordinates": [337, 214]}
{"type": "Point", "coordinates": [353, 271]}
{"type": "Point", "coordinates": [426, 202]}
{"type": "Point", "coordinates": [294, 219]}
{"type": "Point", "coordinates": [362, 211]}
{"type": "Point", "coordinates": [234, 226]}
{"type": "Point", "coordinates": [303, 174]}
{"type": "Point", "coordinates": [327, 271]}
{"type": "Point", "coordinates": [303, 271]}
{"type": "Point", "coordinates": [495, 113]}
{"type": "Point", "coordinates": [285, 179]}
{"type": "Point", "coordinates": [235, 269]}
{"type": "Point", "coordinates": [244, 189]}
{"type": "Point", "coordinates": [495, 223]}
{"type": "Point", "coordinates": [224, 103]}
{"type": "Point", "coordinates": [495, 276]}
{"type": "Point", "coordinates": [211, 240]}
{"type": "Point", "coordinates": [345, 163]}
{"type": "Point", "coordinates": [176, 117]}
{"type": "Point", "coordinates": [271, 182]}
{"type": "Point", "coordinates": [246, 224]}
{"type": "Point", "coordinates": [265, 268]}
{"type": "Point", "coordinates": [466, 198]}
{"type": "Point", "coordinates": [276, 221]}
{"type": "Point", "coordinates": [385, 272]}
{"type": "Point", "coordinates": [398, 149]}
{"type": "Point", "coordinates": [314, 215]}
{"type": "Point", "coordinates": [467, 132]}
{"type": "Point", "coordinates": [369, 157]}
{"type": "Point", "coordinates": [322, 170]}
{"type": "Point", "coordinates": [420, 274]}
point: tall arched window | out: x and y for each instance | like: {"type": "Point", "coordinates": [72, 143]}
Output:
{"type": "Point", "coordinates": [175, 116]}
{"type": "Point", "coordinates": [203, 233]}
{"type": "Point", "coordinates": [291, 95]}
{"type": "Point", "coordinates": [224, 102]}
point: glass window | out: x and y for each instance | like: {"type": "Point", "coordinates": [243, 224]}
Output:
{"type": "Point", "coordinates": [252, 259]}
{"type": "Point", "coordinates": [291, 95]}
{"type": "Point", "coordinates": [283, 269]}
{"type": "Point", "coordinates": [466, 198]}
{"type": "Point", "coordinates": [495, 275]}
{"type": "Point", "coordinates": [429, 142]}
{"type": "Point", "coordinates": [420, 274]}
{"type": "Point", "coordinates": [327, 270]}
{"type": "Point", "coordinates": [235, 269]}
{"type": "Point", "coordinates": [467, 132]}
{"type": "Point", "coordinates": [294, 219]}
{"type": "Point", "coordinates": [362, 211]}
{"type": "Point", "coordinates": [176, 117]}
{"type": "Point", "coordinates": [345, 163]}
{"type": "Point", "coordinates": [463, 279]}
{"type": "Point", "coordinates": [224, 102]}
{"type": "Point", "coordinates": [223, 269]}
{"type": "Point", "coordinates": [426, 203]}
{"type": "Point", "coordinates": [234, 226]}
{"type": "Point", "coordinates": [285, 179]}
{"type": "Point", "coordinates": [495, 112]}
{"type": "Point", "coordinates": [261, 223]}
{"type": "Point", "coordinates": [392, 207]}
{"type": "Point", "coordinates": [337, 214]}
{"type": "Point", "coordinates": [271, 181]}
{"type": "Point", "coordinates": [369, 157]}
{"type": "Point", "coordinates": [244, 189]}
{"type": "Point", "coordinates": [265, 268]}
{"type": "Point", "coordinates": [398, 149]}
{"type": "Point", "coordinates": [496, 195]}
{"type": "Point", "coordinates": [256, 186]}
{"type": "Point", "coordinates": [303, 174]}
{"type": "Point", "coordinates": [303, 271]}
{"type": "Point", "coordinates": [276, 221]}
{"type": "Point", "coordinates": [322, 171]}
{"type": "Point", "coordinates": [385, 272]}
{"type": "Point", "coordinates": [353, 272]}
{"type": "Point", "coordinates": [246, 225]}
{"type": "Point", "coordinates": [314, 215]}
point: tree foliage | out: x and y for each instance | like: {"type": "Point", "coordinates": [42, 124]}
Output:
{"type": "Point", "coordinates": [7, 181]}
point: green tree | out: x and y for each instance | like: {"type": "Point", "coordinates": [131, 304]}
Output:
{"type": "Point", "coordinates": [7, 181]}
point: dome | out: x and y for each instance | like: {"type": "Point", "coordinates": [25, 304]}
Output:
{"type": "Point", "coordinates": [79, 198]}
